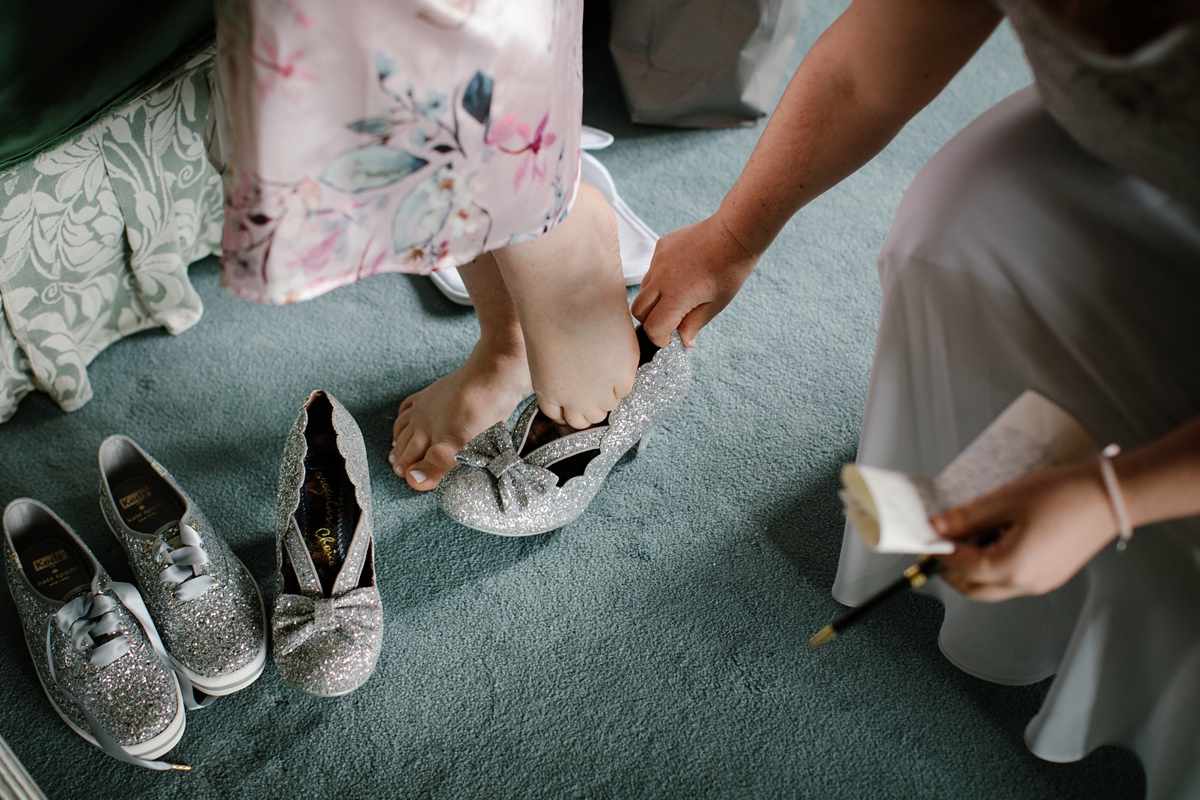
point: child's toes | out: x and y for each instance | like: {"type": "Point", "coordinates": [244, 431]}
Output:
{"type": "Point", "coordinates": [597, 414]}
{"type": "Point", "coordinates": [625, 386]}
{"type": "Point", "coordinates": [582, 418]}
{"type": "Point", "coordinates": [426, 473]}
{"type": "Point", "coordinates": [579, 419]}
{"type": "Point", "coordinates": [413, 452]}
{"type": "Point", "coordinates": [554, 411]}
{"type": "Point", "coordinates": [400, 445]}
{"type": "Point", "coordinates": [403, 420]}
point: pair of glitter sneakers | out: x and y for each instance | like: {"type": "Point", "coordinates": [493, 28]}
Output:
{"type": "Point", "coordinates": [119, 665]}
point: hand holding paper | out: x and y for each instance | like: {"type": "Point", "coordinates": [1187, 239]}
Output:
{"type": "Point", "coordinates": [891, 510]}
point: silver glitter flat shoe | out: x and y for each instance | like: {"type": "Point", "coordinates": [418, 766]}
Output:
{"type": "Point", "coordinates": [327, 624]}
{"type": "Point", "coordinates": [533, 480]}
{"type": "Point", "coordinates": [94, 646]}
{"type": "Point", "coordinates": [202, 598]}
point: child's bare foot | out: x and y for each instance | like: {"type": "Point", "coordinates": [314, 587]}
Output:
{"type": "Point", "coordinates": [437, 421]}
{"type": "Point", "coordinates": [569, 294]}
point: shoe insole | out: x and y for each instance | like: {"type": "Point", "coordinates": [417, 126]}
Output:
{"type": "Point", "coordinates": [328, 511]}
{"type": "Point", "coordinates": [146, 503]}
{"type": "Point", "coordinates": [543, 430]}
{"type": "Point", "coordinates": [56, 567]}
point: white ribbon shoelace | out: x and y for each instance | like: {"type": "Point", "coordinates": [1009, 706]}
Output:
{"type": "Point", "coordinates": [88, 618]}
{"type": "Point", "coordinates": [183, 565]}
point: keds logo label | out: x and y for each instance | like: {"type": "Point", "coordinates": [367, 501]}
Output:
{"type": "Point", "coordinates": [139, 496]}
{"type": "Point", "coordinates": [49, 561]}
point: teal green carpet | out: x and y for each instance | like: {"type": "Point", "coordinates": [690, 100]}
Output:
{"type": "Point", "coordinates": [657, 647]}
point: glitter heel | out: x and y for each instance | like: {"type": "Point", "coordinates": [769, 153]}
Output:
{"type": "Point", "coordinates": [639, 446]}
{"type": "Point", "coordinates": [327, 623]}
{"type": "Point", "coordinates": [533, 479]}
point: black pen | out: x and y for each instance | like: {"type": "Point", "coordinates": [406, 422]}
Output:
{"type": "Point", "coordinates": [914, 577]}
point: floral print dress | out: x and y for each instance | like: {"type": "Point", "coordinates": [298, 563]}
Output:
{"type": "Point", "coordinates": [369, 136]}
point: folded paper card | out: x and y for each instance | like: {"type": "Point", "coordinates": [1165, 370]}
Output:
{"type": "Point", "coordinates": [891, 510]}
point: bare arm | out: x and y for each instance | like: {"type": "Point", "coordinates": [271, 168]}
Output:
{"type": "Point", "coordinates": [1161, 481]}
{"type": "Point", "coordinates": [880, 63]}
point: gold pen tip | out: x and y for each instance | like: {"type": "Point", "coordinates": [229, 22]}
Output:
{"type": "Point", "coordinates": [823, 636]}
{"type": "Point", "coordinates": [180, 768]}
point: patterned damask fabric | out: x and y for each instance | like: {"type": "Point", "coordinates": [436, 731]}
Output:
{"type": "Point", "coordinates": [96, 235]}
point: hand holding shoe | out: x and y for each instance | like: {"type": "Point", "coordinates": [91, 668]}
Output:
{"type": "Point", "coordinates": [695, 273]}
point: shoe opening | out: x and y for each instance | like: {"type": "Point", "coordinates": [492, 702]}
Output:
{"type": "Point", "coordinates": [53, 563]}
{"type": "Point", "coordinates": [145, 502]}
{"type": "Point", "coordinates": [328, 511]}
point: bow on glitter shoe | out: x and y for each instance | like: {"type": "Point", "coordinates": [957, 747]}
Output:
{"type": "Point", "coordinates": [518, 484]}
{"type": "Point", "coordinates": [97, 652]}
{"type": "Point", "coordinates": [203, 600]}
{"type": "Point", "coordinates": [353, 616]}
{"type": "Point", "coordinates": [536, 479]}
{"type": "Point", "coordinates": [327, 624]}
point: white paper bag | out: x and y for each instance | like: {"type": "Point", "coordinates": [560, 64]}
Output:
{"type": "Point", "coordinates": [702, 63]}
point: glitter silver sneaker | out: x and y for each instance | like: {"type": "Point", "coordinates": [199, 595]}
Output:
{"type": "Point", "coordinates": [94, 646]}
{"type": "Point", "coordinates": [533, 479]}
{"type": "Point", "coordinates": [202, 598]}
{"type": "Point", "coordinates": [327, 623]}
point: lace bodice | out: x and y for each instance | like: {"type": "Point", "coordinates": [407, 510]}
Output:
{"type": "Point", "coordinates": [1139, 112]}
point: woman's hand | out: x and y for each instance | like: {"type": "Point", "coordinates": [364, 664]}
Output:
{"type": "Point", "coordinates": [1050, 523]}
{"type": "Point", "coordinates": [695, 272]}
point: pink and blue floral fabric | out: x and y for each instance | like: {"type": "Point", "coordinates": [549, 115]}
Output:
{"type": "Point", "coordinates": [369, 136]}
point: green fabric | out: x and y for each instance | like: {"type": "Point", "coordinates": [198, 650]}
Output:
{"type": "Point", "coordinates": [62, 62]}
{"type": "Point", "coordinates": [655, 648]}
{"type": "Point", "coordinates": [96, 234]}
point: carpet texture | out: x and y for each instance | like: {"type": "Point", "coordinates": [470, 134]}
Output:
{"type": "Point", "coordinates": [657, 647]}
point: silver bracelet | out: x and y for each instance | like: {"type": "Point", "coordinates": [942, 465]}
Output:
{"type": "Point", "coordinates": [1114, 494]}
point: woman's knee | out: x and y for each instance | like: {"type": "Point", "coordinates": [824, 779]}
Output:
{"type": "Point", "coordinates": [1003, 177]}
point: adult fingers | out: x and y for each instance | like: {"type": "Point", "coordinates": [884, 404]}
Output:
{"type": "Point", "coordinates": [644, 303]}
{"type": "Point", "coordinates": [696, 319]}
{"type": "Point", "coordinates": [991, 564]}
{"type": "Point", "coordinates": [959, 582]}
{"type": "Point", "coordinates": [663, 320]}
{"type": "Point", "coordinates": [962, 561]}
{"type": "Point", "coordinates": [978, 516]}
{"type": "Point", "coordinates": [983, 592]}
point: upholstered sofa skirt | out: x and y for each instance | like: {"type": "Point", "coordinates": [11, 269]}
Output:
{"type": "Point", "coordinates": [97, 232]}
